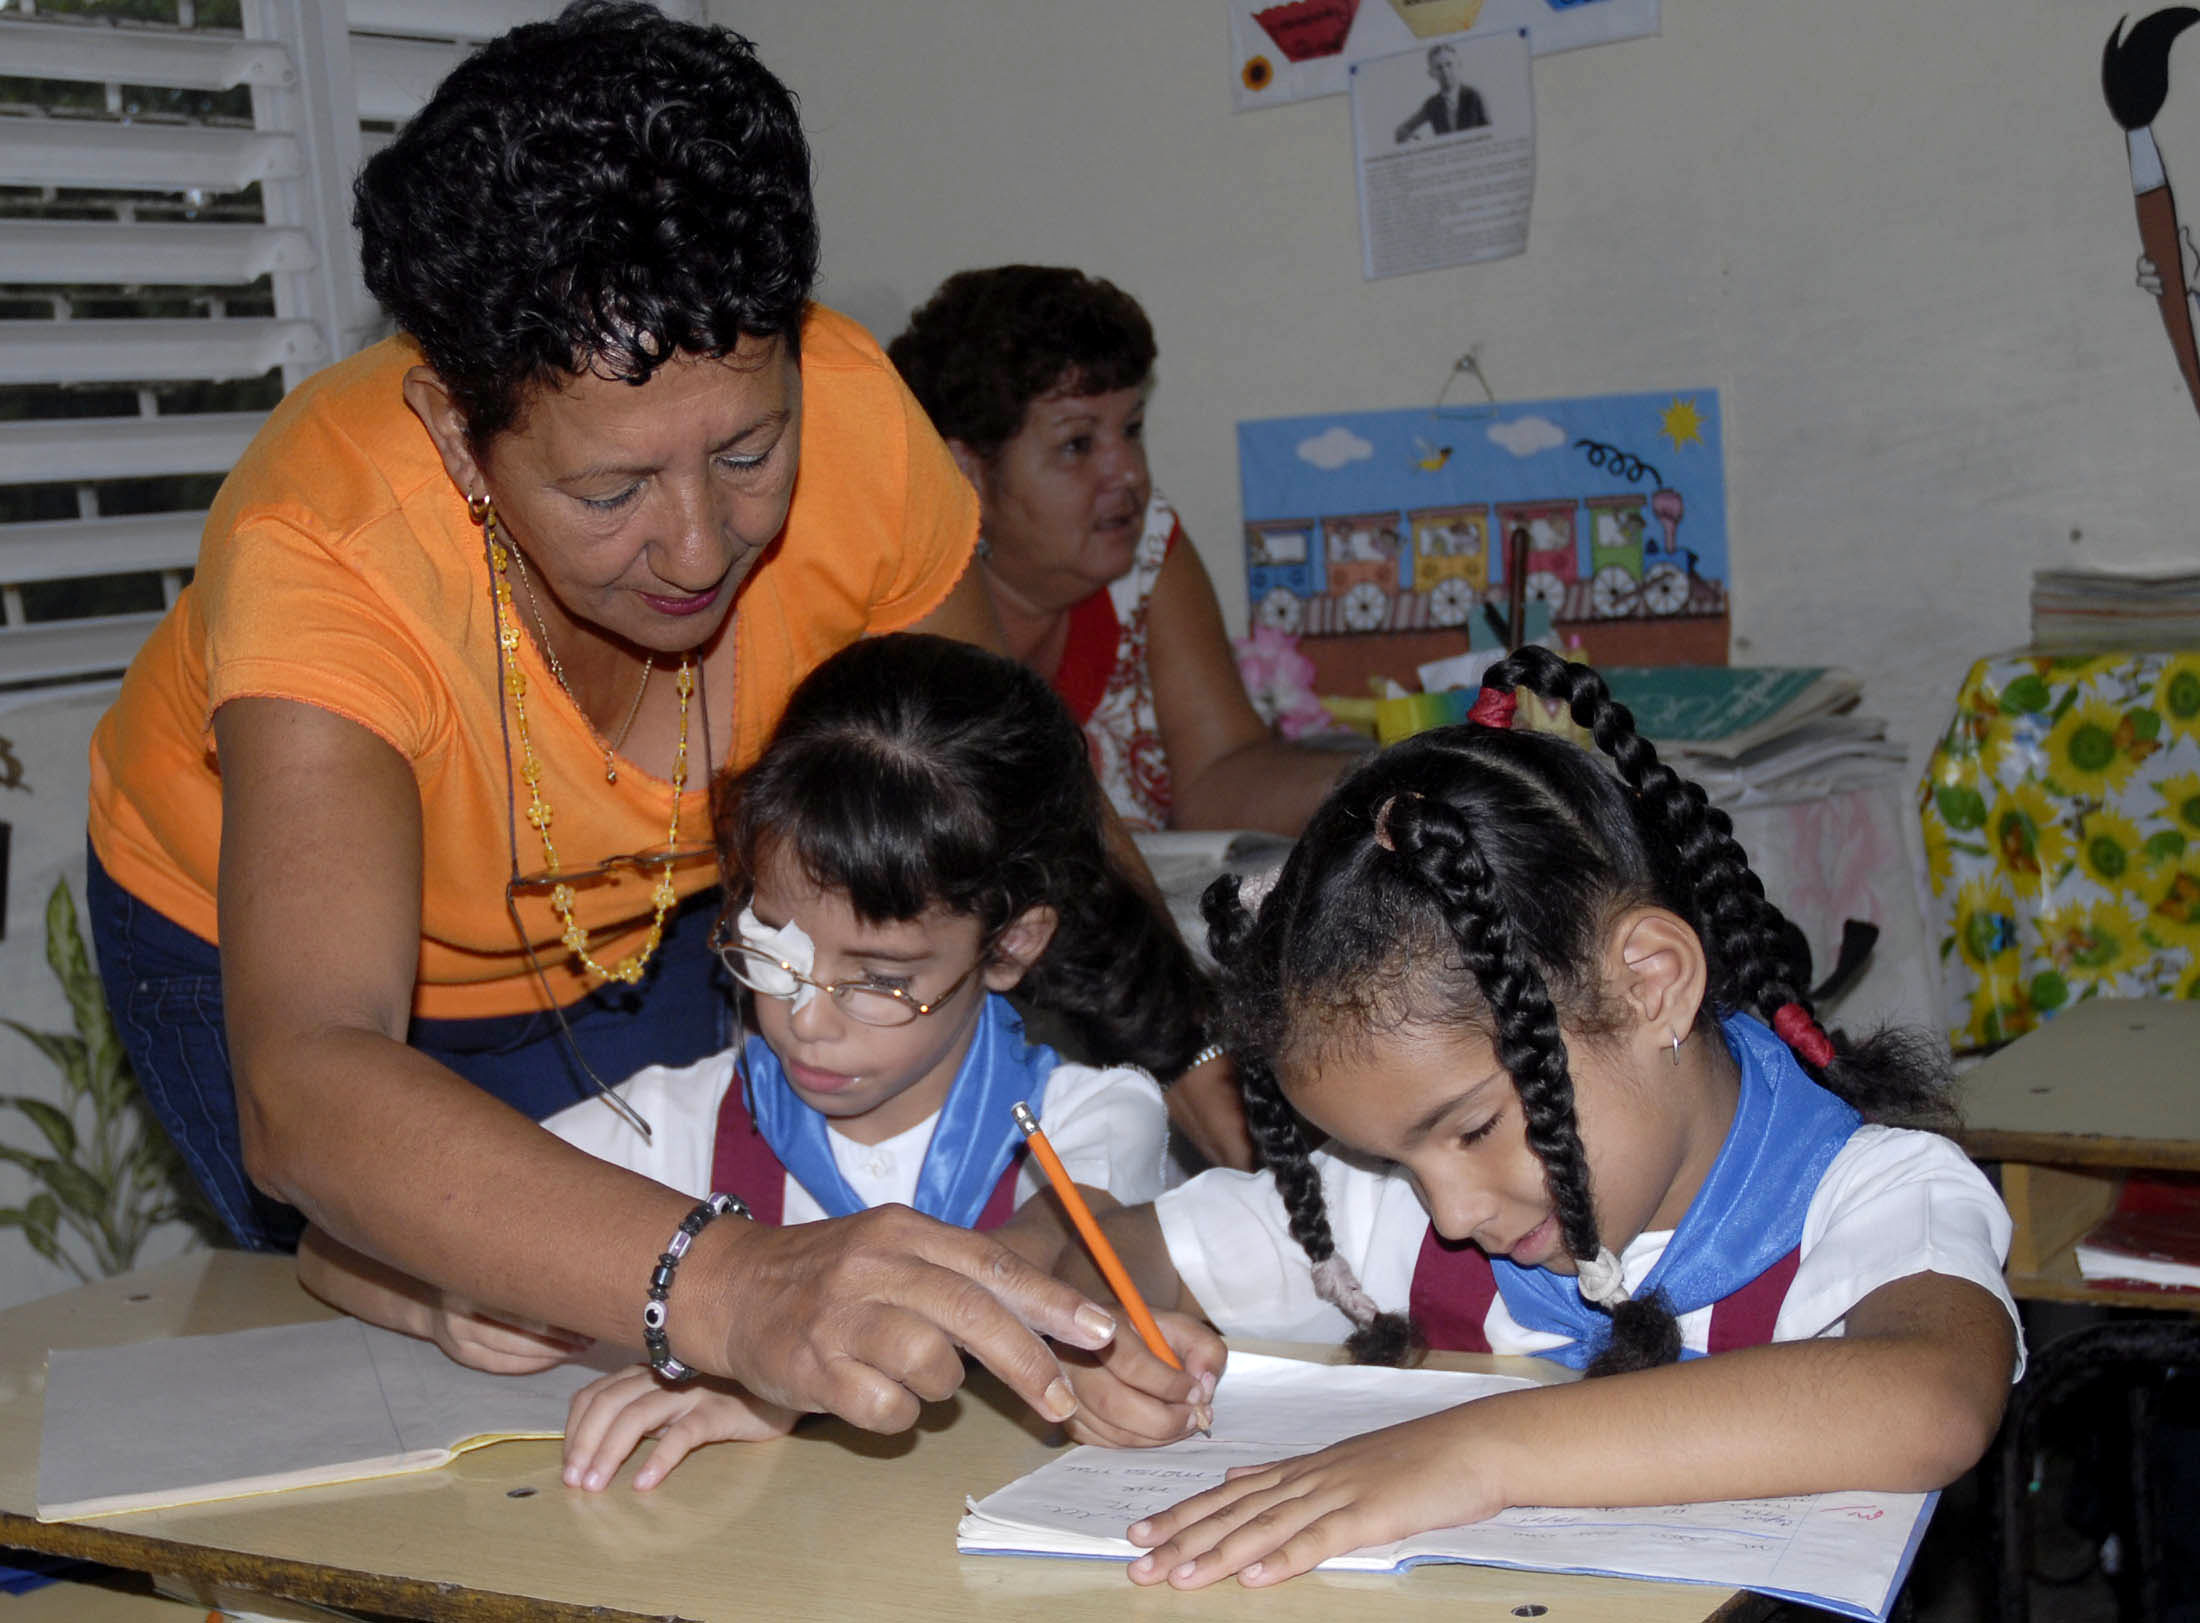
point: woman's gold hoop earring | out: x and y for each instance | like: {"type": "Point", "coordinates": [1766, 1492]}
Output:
{"type": "Point", "coordinates": [477, 508]}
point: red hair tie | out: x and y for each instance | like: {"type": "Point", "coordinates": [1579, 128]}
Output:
{"type": "Point", "coordinates": [1493, 707]}
{"type": "Point", "coordinates": [1803, 1034]}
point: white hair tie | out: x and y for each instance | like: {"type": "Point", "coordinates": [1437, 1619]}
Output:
{"type": "Point", "coordinates": [1253, 888]}
{"type": "Point", "coordinates": [1336, 1284]}
{"type": "Point", "coordinates": [1601, 1280]}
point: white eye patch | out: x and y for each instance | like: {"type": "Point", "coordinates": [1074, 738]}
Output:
{"type": "Point", "coordinates": [789, 944]}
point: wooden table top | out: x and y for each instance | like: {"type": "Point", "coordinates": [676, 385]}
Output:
{"type": "Point", "coordinates": [828, 1523]}
{"type": "Point", "coordinates": [2112, 1082]}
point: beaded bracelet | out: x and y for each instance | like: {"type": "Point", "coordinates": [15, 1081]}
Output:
{"type": "Point", "coordinates": [654, 1340]}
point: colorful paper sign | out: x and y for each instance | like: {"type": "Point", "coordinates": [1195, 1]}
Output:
{"type": "Point", "coordinates": [1367, 523]}
{"type": "Point", "coordinates": [1289, 51]}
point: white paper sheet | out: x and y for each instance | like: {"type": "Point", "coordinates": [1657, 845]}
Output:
{"type": "Point", "coordinates": [207, 1417]}
{"type": "Point", "coordinates": [1432, 194]}
{"type": "Point", "coordinates": [1846, 1552]}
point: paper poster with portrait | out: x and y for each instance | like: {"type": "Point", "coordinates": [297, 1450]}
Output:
{"type": "Point", "coordinates": [1444, 144]}
{"type": "Point", "coordinates": [1300, 48]}
{"type": "Point", "coordinates": [1405, 524]}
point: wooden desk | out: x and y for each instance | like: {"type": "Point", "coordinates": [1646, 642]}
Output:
{"type": "Point", "coordinates": [830, 1523]}
{"type": "Point", "coordinates": [2106, 1087]}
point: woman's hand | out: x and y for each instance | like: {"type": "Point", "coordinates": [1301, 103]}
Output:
{"type": "Point", "coordinates": [1128, 1398]}
{"type": "Point", "coordinates": [1269, 1523]}
{"type": "Point", "coordinates": [868, 1316]}
{"type": "Point", "coordinates": [609, 1418]}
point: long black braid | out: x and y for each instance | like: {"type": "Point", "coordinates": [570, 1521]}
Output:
{"type": "Point", "coordinates": [1758, 958]}
{"type": "Point", "coordinates": [1278, 1136]}
{"type": "Point", "coordinates": [1434, 844]}
{"type": "Point", "coordinates": [1464, 878]}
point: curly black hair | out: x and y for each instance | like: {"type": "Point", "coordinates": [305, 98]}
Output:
{"type": "Point", "coordinates": [989, 342]}
{"type": "Point", "coordinates": [600, 192]}
{"type": "Point", "coordinates": [1465, 878]}
{"type": "Point", "coordinates": [911, 771]}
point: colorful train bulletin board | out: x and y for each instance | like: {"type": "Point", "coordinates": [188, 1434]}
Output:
{"type": "Point", "coordinates": [1377, 537]}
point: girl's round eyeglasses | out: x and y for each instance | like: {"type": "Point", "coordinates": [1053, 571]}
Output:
{"type": "Point", "coordinates": [862, 1000]}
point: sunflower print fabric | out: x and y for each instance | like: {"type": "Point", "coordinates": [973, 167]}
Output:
{"type": "Point", "coordinates": [2061, 818]}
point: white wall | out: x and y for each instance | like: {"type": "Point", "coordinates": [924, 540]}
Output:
{"type": "Point", "coordinates": [1898, 238]}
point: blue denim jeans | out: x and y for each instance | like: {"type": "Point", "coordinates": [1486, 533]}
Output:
{"type": "Point", "coordinates": [164, 989]}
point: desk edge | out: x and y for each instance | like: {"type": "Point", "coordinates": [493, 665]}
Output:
{"type": "Point", "coordinates": [340, 1587]}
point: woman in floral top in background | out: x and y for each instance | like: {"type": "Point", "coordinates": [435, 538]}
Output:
{"type": "Point", "coordinates": [1037, 378]}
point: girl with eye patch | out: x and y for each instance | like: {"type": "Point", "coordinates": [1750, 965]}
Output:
{"type": "Point", "coordinates": [921, 836]}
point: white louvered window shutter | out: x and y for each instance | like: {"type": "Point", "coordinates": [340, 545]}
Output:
{"type": "Point", "coordinates": [175, 252]}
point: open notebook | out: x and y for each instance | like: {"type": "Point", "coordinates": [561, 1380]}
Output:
{"type": "Point", "coordinates": [175, 1421]}
{"type": "Point", "coordinates": [1845, 1552]}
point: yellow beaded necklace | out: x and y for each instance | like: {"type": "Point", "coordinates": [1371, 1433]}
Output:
{"type": "Point", "coordinates": [628, 969]}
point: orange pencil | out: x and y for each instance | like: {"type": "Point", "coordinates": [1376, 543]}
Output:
{"type": "Point", "coordinates": [1111, 1265]}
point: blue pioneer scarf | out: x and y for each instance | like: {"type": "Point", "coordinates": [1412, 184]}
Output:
{"type": "Point", "coordinates": [1746, 1217]}
{"type": "Point", "coordinates": [972, 1140]}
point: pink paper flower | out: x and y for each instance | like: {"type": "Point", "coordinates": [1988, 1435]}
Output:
{"type": "Point", "coordinates": [1280, 682]}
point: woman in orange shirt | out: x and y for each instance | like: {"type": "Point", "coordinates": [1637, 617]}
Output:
{"type": "Point", "coordinates": [397, 826]}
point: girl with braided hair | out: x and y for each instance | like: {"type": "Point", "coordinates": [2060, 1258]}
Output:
{"type": "Point", "coordinates": [1572, 1101]}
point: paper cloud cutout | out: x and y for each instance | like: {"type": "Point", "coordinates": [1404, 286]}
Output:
{"type": "Point", "coordinates": [1333, 447]}
{"type": "Point", "coordinates": [1524, 436]}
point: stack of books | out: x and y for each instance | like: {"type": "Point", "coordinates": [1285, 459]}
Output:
{"type": "Point", "coordinates": [2080, 610]}
{"type": "Point", "coordinates": [1760, 734]}
{"type": "Point", "coordinates": [2152, 1237]}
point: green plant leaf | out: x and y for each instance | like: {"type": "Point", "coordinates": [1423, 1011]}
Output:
{"type": "Point", "coordinates": [78, 1190]}
{"type": "Point", "coordinates": [40, 1216]}
{"type": "Point", "coordinates": [114, 1085]}
{"type": "Point", "coordinates": [66, 1052]}
{"type": "Point", "coordinates": [80, 983]}
{"type": "Point", "coordinates": [43, 1242]}
{"type": "Point", "coordinates": [54, 1123]}
{"type": "Point", "coordinates": [117, 1177]}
